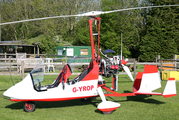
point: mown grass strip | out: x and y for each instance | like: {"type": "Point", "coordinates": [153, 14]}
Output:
{"type": "Point", "coordinates": [135, 108]}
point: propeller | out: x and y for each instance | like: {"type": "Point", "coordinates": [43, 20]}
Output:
{"type": "Point", "coordinates": [92, 13]}
{"type": "Point", "coordinates": [126, 69]}
{"type": "Point", "coordinates": [123, 62]}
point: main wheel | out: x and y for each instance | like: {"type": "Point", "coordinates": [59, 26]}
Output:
{"type": "Point", "coordinates": [29, 107]}
{"type": "Point", "coordinates": [85, 99]}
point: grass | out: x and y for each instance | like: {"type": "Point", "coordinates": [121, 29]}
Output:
{"type": "Point", "coordinates": [140, 68]}
{"type": "Point", "coordinates": [135, 108]}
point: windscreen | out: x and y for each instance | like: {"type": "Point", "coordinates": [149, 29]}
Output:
{"type": "Point", "coordinates": [38, 73]}
{"type": "Point", "coordinates": [72, 62]}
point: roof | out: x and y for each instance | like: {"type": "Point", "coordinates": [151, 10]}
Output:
{"type": "Point", "coordinates": [16, 45]}
{"type": "Point", "coordinates": [13, 43]}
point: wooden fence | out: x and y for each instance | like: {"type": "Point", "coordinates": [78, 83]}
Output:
{"type": "Point", "coordinates": [18, 65]}
{"type": "Point", "coordinates": [11, 63]}
{"type": "Point", "coordinates": [160, 65]}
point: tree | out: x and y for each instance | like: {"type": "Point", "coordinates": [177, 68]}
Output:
{"type": "Point", "coordinates": [125, 22]}
{"type": "Point", "coordinates": [14, 10]}
{"type": "Point", "coordinates": [161, 36]}
{"type": "Point", "coordinates": [82, 35]}
{"type": "Point", "coordinates": [48, 45]}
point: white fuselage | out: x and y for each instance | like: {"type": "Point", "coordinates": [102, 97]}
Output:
{"type": "Point", "coordinates": [24, 90]}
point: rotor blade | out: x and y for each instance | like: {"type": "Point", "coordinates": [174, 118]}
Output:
{"type": "Point", "coordinates": [92, 13]}
{"type": "Point", "coordinates": [44, 18]}
{"type": "Point", "coordinates": [137, 8]}
{"type": "Point", "coordinates": [126, 69]}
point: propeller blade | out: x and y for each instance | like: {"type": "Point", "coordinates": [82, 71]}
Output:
{"type": "Point", "coordinates": [126, 69]}
{"type": "Point", "coordinates": [92, 13]}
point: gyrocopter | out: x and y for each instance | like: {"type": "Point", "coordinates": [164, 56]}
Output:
{"type": "Point", "coordinates": [90, 82]}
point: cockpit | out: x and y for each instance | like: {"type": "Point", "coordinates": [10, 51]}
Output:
{"type": "Point", "coordinates": [37, 76]}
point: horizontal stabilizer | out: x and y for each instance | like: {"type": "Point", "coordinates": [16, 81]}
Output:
{"type": "Point", "coordinates": [147, 93]}
{"type": "Point", "coordinates": [170, 88]}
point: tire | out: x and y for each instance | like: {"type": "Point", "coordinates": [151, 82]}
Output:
{"type": "Point", "coordinates": [110, 112]}
{"type": "Point", "coordinates": [29, 107]}
{"type": "Point", "coordinates": [86, 99]}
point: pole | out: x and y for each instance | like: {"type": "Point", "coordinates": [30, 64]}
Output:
{"type": "Point", "coordinates": [121, 46]}
{"type": "Point", "coordinates": [0, 28]}
{"type": "Point", "coordinates": [134, 69]}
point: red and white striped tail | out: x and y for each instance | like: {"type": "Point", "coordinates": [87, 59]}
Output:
{"type": "Point", "coordinates": [149, 80]}
{"type": "Point", "coordinates": [170, 88]}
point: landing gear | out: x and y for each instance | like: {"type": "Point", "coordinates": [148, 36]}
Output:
{"type": "Point", "coordinates": [107, 112]}
{"type": "Point", "coordinates": [29, 106]}
{"type": "Point", "coordinates": [85, 99]}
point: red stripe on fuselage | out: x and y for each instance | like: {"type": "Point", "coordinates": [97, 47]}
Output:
{"type": "Point", "coordinates": [54, 99]}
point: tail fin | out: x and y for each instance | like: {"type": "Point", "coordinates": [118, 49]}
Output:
{"type": "Point", "coordinates": [148, 80]}
{"type": "Point", "coordinates": [170, 88]}
{"type": "Point", "coordinates": [137, 82]}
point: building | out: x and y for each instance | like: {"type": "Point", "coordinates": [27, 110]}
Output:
{"type": "Point", "coordinates": [70, 51]}
{"type": "Point", "coordinates": [15, 48]}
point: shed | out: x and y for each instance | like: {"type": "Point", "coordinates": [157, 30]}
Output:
{"type": "Point", "coordinates": [70, 51]}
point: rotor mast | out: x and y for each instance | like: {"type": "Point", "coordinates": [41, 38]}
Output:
{"type": "Point", "coordinates": [97, 36]}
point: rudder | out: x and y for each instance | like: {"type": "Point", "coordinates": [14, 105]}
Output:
{"type": "Point", "coordinates": [170, 88]}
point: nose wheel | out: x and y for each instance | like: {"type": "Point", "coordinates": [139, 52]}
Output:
{"type": "Point", "coordinates": [29, 106]}
{"type": "Point", "coordinates": [107, 112]}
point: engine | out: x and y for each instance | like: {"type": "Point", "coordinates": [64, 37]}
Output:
{"type": "Point", "coordinates": [110, 65]}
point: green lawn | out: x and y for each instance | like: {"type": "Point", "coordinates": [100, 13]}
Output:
{"type": "Point", "coordinates": [132, 108]}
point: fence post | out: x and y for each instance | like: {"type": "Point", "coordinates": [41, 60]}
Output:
{"type": "Point", "coordinates": [10, 64]}
{"type": "Point", "coordinates": [5, 56]}
{"type": "Point", "coordinates": [22, 68]}
{"type": "Point", "coordinates": [175, 58]}
{"type": "Point", "coordinates": [66, 59]}
{"type": "Point", "coordinates": [157, 58]}
{"type": "Point", "coordinates": [161, 67]}
{"type": "Point", "coordinates": [134, 69]}
{"type": "Point", "coordinates": [16, 55]}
